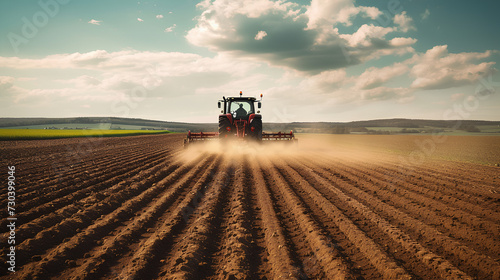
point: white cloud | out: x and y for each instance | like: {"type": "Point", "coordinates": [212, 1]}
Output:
{"type": "Point", "coordinates": [84, 81]}
{"type": "Point", "coordinates": [437, 69]}
{"type": "Point", "coordinates": [140, 19]}
{"type": "Point", "coordinates": [401, 94]}
{"type": "Point", "coordinates": [364, 36]}
{"type": "Point", "coordinates": [99, 59]}
{"type": "Point", "coordinates": [6, 82]}
{"type": "Point", "coordinates": [425, 14]}
{"type": "Point", "coordinates": [402, 42]}
{"type": "Point", "coordinates": [9, 89]}
{"type": "Point", "coordinates": [130, 63]}
{"type": "Point", "coordinates": [404, 22]}
{"type": "Point", "coordinates": [457, 96]}
{"type": "Point", "coordinates": [326, 81]}
{"type": "Point", "coordinates": [115, 75]}
{"type": "Point", "coordinates": [43, 94]}
{"type": "Point", "coordinates": [326, 13]}
{"type": "Point", "coordinates": [170, 29]}
{"type": "Point", "coordinates": [369, 42]}
{"type": "Point", "coordinates": [95, 22]}
{"type": "Point", "coordinates": [260, 35]}
{"type": "Point", "coordinates": [304, 40]}
{"type": "Point", "coordinates": [66, 96]}
{"type": "Point", "coordinates": [375, 77]}
{"type": "Point", "coordinates": [250, 83]}
{"type": "Point", "coordinates": [406, 99]}
{"type": "Point", "coordinates": [159, 16]}
{"type": "Point", "coordinates": [251, 9]}
{"type": "Point", "coordinates": [367, 87]}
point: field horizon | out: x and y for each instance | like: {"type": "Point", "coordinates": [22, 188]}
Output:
{"type": "Point", "coordinates": [378, 126]}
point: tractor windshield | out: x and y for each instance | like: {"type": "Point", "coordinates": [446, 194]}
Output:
{"type": "Point", "coordinates": [241, 108]}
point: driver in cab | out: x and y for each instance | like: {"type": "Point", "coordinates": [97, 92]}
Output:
{"type": "Point", "coordinates": [240, 112]}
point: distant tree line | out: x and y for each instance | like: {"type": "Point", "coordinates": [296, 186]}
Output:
{"type": "Point", "coordinates": [469, 128]}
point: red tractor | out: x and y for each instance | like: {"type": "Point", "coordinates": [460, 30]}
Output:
{"type": "Point", "coordinates": [240, 120]}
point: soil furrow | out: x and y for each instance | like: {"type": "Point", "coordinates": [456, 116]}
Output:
{"type": "Point", "coordinates": [451, 190]}
{"type": "Point", "coordinates": [145, 221]}
{"type": "Point", "coordinates": [150, 253]}
{"type": "Point", "coordinates": [325, 261]}
{"type": "Point", "coordinates": [84, 177]}
{"type": "Point", "coordinates": [77, 158]}
{"type": "Point", "coordinates": [279, 255]}
{"type": "Point", "coordinates": [466, 205]}
{"type": "Point", "coordinates": [447, 221]}
{"type": "Point", "coordinates": [95, 207]}
{"type": "Point", "coordinates": [190, 258]}
{"type": "Point", "coordinates": [471, 262]}
{"type": "Point", "coordinates": [230, 257]}
{"type": "Point", "coordinates": [388, 235]}
{"type": "Point", "coordinates": [385, 265]}
{"type": "Point", "coordinates": [74, 202]}
{"type": "Point", "coordinates": [252, 221]}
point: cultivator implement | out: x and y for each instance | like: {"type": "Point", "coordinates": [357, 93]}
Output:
{"type": "Point", "coordinates": [200, 136]}
{"type": "Point", "coordinates": [278, 136]}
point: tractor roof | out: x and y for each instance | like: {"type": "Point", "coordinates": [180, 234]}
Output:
{"type": "Point", "coordinates": [240, 98]}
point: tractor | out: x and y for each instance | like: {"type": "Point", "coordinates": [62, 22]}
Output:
{"type": "Point", "coordinates": [239, 120]}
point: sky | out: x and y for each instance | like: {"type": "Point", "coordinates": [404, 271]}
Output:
{"type": "Point", "coordinates": [317, 60]}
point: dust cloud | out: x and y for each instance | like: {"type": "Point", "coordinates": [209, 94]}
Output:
{"type": "Point", "coordinates": [306, 146]}
{"type": "Point", "coordinates": [240, 149]}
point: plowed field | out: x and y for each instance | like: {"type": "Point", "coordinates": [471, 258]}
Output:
{"type": "Point", "coordinates": [143, 208]}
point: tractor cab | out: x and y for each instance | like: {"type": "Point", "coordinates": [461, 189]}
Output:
{"type": "Point", "coordinates": [239, 107]}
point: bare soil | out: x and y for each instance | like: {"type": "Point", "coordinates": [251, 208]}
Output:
{"type": "Point", "coordinates": [144, 208]}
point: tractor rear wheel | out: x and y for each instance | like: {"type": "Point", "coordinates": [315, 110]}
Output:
{"type": "Point", "coordinates": [256, 124]}
{"type": "Point", "coordinates": [224, 124]}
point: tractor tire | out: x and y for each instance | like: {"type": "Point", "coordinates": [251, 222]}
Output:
{"type": "Point", "coordinates": [257, 133]}
{"type": "Point", "coordinates": [224, 123]}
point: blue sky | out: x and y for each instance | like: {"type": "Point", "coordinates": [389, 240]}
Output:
{"type": "Point", "coordinates": [319, 60]}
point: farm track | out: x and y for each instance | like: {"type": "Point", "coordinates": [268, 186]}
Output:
{"type": "Point", "coordinates": [142, 208]}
